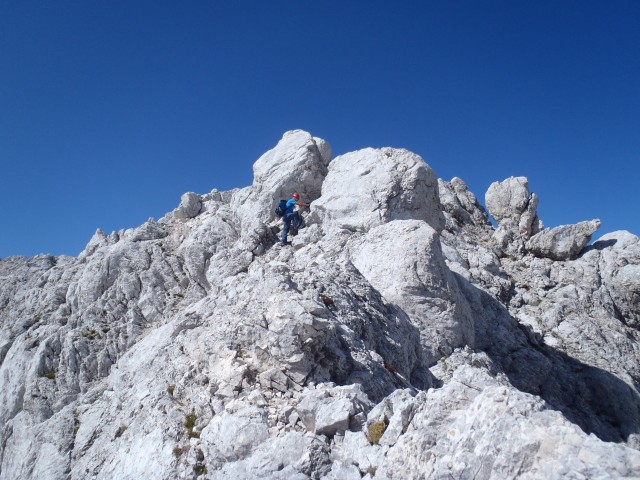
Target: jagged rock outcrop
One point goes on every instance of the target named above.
(399, 336)
(479, 426)
(298, 163)
(460, 206)
(514, 208)
(190, 206)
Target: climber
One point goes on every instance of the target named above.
(290, 215)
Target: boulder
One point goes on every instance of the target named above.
(564, 242)
(330, 410)
(509, 199)
(371, 187)
(478, 426)
(343, 471)
(190, 206)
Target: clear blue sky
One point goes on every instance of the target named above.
(111, 109)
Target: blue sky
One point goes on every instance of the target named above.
(110, 110)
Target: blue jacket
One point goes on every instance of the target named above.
(291, 206)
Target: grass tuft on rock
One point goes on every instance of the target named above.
(189, 423)
(376, 430)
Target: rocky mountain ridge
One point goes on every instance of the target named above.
(400, 335)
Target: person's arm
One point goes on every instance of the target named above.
(302, 204)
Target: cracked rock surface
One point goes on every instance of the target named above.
(400, 335)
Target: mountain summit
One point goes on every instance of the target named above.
(399, 335)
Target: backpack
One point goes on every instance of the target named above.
(281, 208)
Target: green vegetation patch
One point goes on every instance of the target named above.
(189, 423)
(91, 334)
(376, 430)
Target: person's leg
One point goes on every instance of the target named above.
(285, 229)
(298, 219)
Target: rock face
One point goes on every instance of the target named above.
(418, 281)
(298, 163)
(399, 336)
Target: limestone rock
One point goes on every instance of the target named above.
(234, 437)
(370, 187)
(396, 411)
(509, 199)
(621, 274)
(190, 206)
(487, 429)
(330, 410)
(149, 231)
(297, 164)
(563, 242)
(461, 204)
(415, 277)
(511, 205)
(191, 347)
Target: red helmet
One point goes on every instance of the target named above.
(296, 195)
